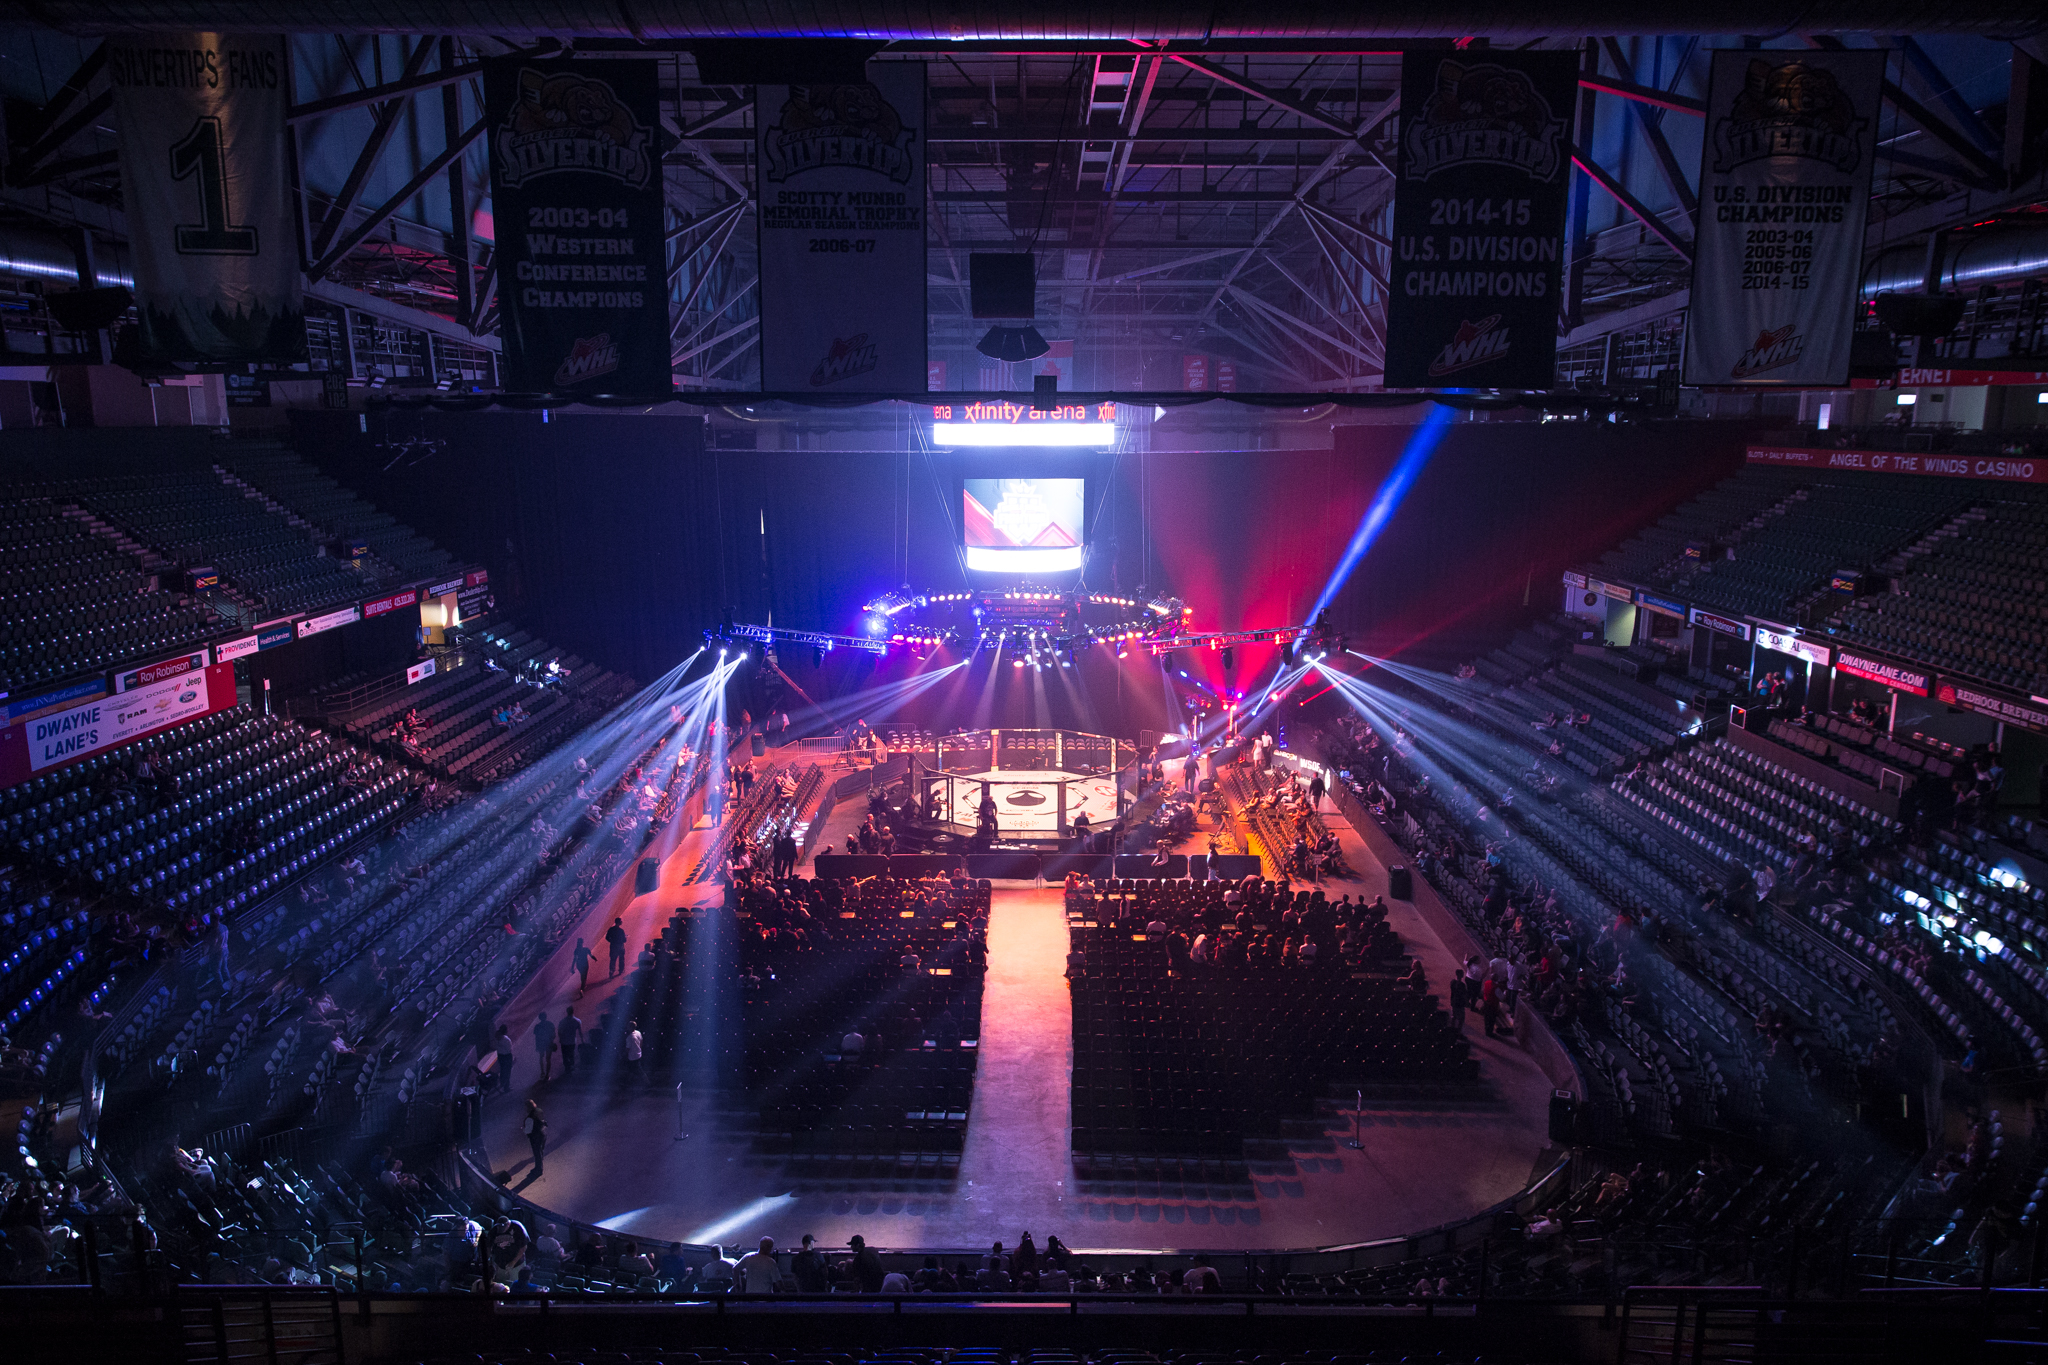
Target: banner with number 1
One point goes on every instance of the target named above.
(202, 124)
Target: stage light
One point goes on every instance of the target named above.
(1099, 435)
(877, 624)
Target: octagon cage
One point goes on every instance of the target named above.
(1038, 780)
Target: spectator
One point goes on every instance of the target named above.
(867, 1266)
(757, 1272)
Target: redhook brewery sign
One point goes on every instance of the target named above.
(1970, 699)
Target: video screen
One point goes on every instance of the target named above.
(1023, 525)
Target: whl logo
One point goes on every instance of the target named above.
(1772, 349)
(1475, 344)
(848, 357)
(587, 359)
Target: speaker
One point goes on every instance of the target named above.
(1918, 315)
(88, 310)
(760, 746)
(1564, 1118)
(1400, 884)
(647, 876)
(1002, 284)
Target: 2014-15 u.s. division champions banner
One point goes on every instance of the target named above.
(581, 227)
(1784, 186)
(202, 124)
(840, 175)
(1479, 202)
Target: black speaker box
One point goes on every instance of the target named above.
(1400, 884)
(1002, 284)
(1564, 1118)
(647, 876)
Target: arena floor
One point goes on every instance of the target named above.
(1027, 800)
(614, 1158)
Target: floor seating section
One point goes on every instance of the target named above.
(1177, 1064)
(900, 963)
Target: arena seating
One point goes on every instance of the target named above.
(1766, 541)
(401, 553)
(1971, 598)
(76, 596)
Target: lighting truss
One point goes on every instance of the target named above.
(772, 635)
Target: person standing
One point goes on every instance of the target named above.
(809, 1268)
(633, 1051)
(756, 1272)
(615, 939)
(1316, 788)
(505, 1058)
(582, 967)
(535, 1126)
(544, 1044)
(569, 1034)
(1460, 999)
(1189, 768)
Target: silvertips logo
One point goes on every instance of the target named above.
(838, 125)
(848, 357)
(1773, 348)
(1483, 114)
(1476, 343)
(568, 122)
(1789, 110)
(588, 358)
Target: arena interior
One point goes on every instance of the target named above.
(1422, 738)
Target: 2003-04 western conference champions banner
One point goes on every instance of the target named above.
(581, 228)
(1784, 185)
(202, 124)
(840, 175)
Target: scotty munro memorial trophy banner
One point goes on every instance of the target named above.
(1479, 204)
(576, 192)
(1784, 185)
(201, 118)
(840, 175)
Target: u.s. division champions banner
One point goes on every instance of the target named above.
(581, 229)
(1479, 207)
(201, 118)
(840, 175)
(1784, 186)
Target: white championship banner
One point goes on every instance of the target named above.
(202, 124)
(840, 175)
(1784, 188)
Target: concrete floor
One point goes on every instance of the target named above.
(615, 1158)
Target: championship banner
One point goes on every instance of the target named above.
(582, 241)
(840, 174)
(201, 118)
(1784, 188)
(1479, 206)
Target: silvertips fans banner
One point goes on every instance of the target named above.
(840, 174)
(1479, 203)
(1784, 182)
(576, 198)
(201, 118)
